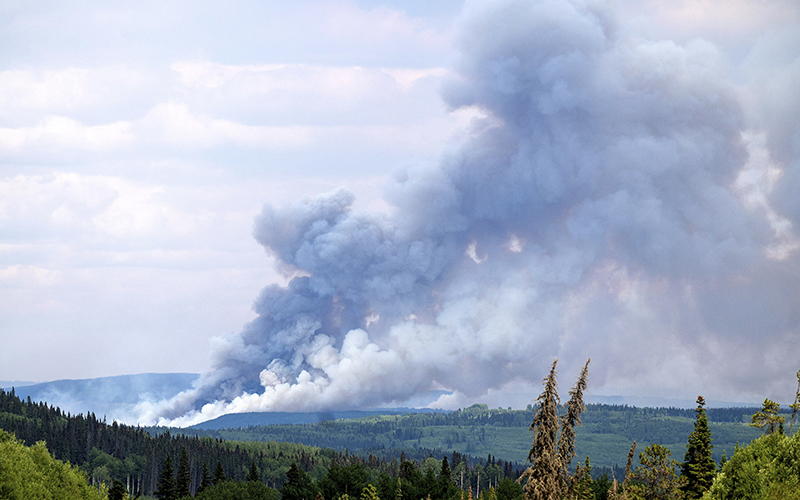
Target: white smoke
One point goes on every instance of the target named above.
(625, 199)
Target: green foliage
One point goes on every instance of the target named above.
(183, 480)
(698, 467)
(166, 481)
(238, 490)
(606, 434)
(508, 490)
(299, 486)
(768, 418)
(253, 474)
(656, 477)
(369, 493)
(600, 487)
(348, 480)
(767, 468)
(205, 479)
(117, 491)
(31, 473)
(219, 473)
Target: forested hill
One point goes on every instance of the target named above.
(113, 451)
(135, 456)
(606, 434)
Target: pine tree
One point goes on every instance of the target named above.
(699, 467)
(166, 481)
(183, 481)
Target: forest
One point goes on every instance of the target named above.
(476, 452)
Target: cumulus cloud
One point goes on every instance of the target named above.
(618, 200)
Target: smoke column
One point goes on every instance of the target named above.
(624, 198)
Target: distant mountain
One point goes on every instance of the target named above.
(113, 397)
(243, 420)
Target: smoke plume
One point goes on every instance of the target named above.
(623, 198)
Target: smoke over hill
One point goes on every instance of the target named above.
(624, 197)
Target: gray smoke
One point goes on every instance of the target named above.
(621, 200)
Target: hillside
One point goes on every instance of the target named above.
(114, 397)
(606, 434)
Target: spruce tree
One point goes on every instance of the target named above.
(219, 473)
(205, 479)
(183, 481)
(548, 476)
(544, 482)
(655, 477)
(166, 481)
(253, 474)
(575, 406)
(117, 491)
(699, 467)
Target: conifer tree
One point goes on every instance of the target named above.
(205, 479)
(796, 405)
(544, 481)
(183, 481)
(768, 417)
(117, 491)
(583, 482)
(370, 493)
(548, 476)
(575, 406)
(655, 477)
(699, 467)
(166, 481)
(219, 473)
(253, 474)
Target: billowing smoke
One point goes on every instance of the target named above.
(622, 198)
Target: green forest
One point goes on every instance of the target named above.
(549, 451)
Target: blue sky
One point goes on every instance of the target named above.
(647, 194)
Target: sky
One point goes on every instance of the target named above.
(330, 204)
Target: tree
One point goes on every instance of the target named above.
(549, 456)
(699, 467)
(298, 486)
(369, 493)
(768, 417)
(508, 490)
(767, 468)
(205, 479)
(253, 474)
(582, 489)
(238, 490)
(166, 481)
(796, 405)
(219, 473)
(117, 491)
(614, 492)
(655, 477)
(32, 473)
(183, 481)
(575, 406)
